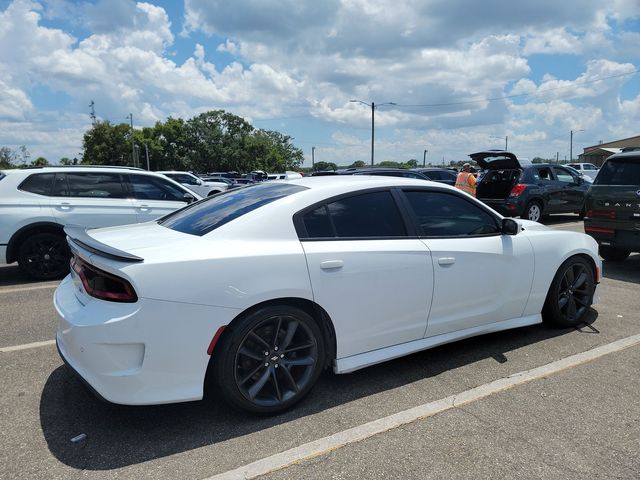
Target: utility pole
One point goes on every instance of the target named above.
(571, 148)
(146, 149)
(133, 148)
(313, 158)
(571, 145)
(424, 158)
(557, 157)
(506, 143)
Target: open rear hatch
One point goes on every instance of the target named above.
(502, 173)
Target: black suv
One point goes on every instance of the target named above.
(613, 206)
(520, 188)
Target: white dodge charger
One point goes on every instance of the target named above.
(249, 295)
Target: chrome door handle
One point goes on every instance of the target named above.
(446, 261)
(65, 206)
(331, 264)
(144, 208)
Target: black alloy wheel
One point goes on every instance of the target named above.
(571, 293)
(612, 254)
(44, 256)
(270, 360)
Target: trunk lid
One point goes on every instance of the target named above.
(497, 160)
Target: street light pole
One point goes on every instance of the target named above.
(133, 159)
(424, 158)
(313, 158)
(373, 110)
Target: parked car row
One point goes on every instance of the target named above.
(36, 204)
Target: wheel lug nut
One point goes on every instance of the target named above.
(276, 349)
(282, 356)
(266, 364)
(266, 354)
(276, 365)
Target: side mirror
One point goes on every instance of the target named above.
(510, 226)
(187, 197)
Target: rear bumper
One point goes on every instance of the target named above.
(510, 207)
(142, 353)
(611, 237)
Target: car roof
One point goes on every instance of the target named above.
(346, 182)
(72, 168)
(627, 155)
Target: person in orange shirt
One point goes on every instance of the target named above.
(466, 181)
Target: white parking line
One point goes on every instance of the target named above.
(26, 289)
(356, 434)
(27, 346)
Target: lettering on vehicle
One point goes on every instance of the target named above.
(617, 204)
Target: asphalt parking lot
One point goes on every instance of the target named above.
(463, 410)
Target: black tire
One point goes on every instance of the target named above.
(44, 256)
(612, 254)
(269, 360)
(581, 214)
(533, 211)
(570, 295)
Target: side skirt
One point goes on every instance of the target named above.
(362, 360)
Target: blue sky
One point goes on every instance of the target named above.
(463, 74)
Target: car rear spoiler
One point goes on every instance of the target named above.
(77, 235)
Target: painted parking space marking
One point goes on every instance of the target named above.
(26, 289)
(341, 439)
(26, 346)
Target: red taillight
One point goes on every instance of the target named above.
(517, 190)
(608, 231)
(103, 285)
(609, 214)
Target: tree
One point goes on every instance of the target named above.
(7, 158)
(40, 162)
(68, 161)
(358, 164)
(106, 144)
(322, 166)
(413, 163)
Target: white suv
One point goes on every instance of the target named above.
(36, 203)
(198, 185)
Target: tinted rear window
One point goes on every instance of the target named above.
(619, 171)
(39, 183)
(202, 217)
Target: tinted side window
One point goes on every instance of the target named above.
(89, 185)
(39, 183)
(146, 187)
(448, 215)
(367, 215)
(619, 172)
(318, 224)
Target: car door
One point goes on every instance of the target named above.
(153, 196)
(573, 189)
(91, 199)
(374, 281)
(550, 189)
(480, 276)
